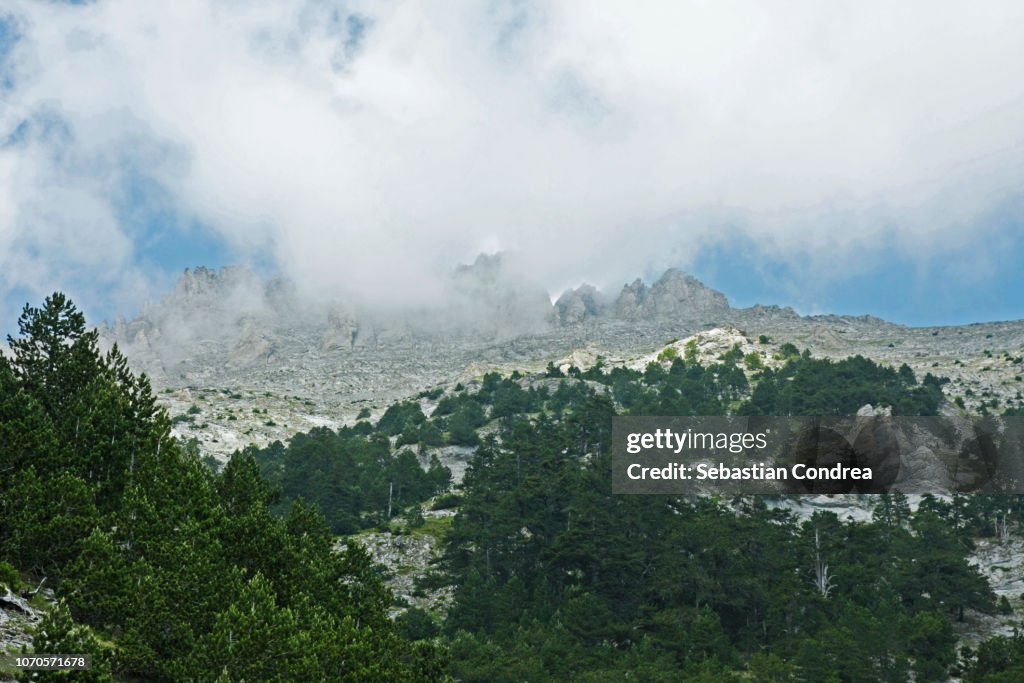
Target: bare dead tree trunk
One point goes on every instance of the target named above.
(822, 579)
(1002, 527)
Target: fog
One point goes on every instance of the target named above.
(365, 149)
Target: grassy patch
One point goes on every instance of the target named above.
(435, 527)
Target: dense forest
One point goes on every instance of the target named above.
(351, 475)
(166, 570)
(558, 578)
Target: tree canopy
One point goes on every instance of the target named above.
(180, 574)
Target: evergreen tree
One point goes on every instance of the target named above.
(58, 634)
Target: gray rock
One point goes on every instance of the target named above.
(868, 410)
(922, 471)
(675, 295)
(577, 305)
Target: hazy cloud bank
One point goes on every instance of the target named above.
(363, 148)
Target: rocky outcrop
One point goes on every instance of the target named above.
(18, 616)
(923, 471)
(577, 305)
(408, 556)
(251, 348)
(768, 314)
(631, 298)
(341, 332)
(674, 295)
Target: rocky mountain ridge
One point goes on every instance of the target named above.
(487, 302)
(674, 295)
(259, 362)
(219, 324)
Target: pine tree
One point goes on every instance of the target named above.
(253, 640)
(58, 634)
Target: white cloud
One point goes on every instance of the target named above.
(598, 140)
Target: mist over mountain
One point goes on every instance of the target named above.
(674, 295)
(369, 147)
(232, 330)
(485, 301)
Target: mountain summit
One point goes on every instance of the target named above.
(219, 323)
(675, 295)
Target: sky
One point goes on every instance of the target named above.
(840, 157)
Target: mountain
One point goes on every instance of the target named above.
(484, 299)
(220, 321)
(675, 296)
(227, 340)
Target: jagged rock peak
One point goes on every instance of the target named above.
(205, 281)
(234, 289)
(674, 295)
(485, 267)
(576, 305)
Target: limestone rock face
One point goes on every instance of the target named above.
(878, 445)
(584, 359)
(631, 298)
(923, 471)
(341, 331)
(677, 294)
(674, 295)
(18, 617)
(251, 348)
(868, 410)
(577, 305)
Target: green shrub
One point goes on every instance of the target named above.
(691, 351)
(431, 394)
(446, 501)
(788, 350)
(9, 576)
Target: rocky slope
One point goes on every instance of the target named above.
(237, 359)
(20, 612)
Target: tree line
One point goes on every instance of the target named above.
(164, 570)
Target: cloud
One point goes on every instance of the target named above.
(366, 147)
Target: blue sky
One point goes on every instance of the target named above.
(893, 287)
(838, 157)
